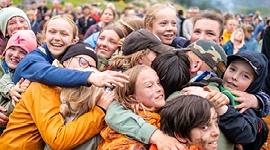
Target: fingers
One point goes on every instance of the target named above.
(206, 88)
(3, 117)
(13, 103)
(211, 95)
(3, 109)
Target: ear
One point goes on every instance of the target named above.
(220, 39)
(195, 66)
(74, 41)
(140, 60)
(182, 140)
(148, 27)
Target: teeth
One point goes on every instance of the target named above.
(56, 44)
(213, 143)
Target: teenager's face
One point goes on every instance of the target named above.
(59, 36)
(231, 26)
(149, 58)
(164, 26)
(107, 43)
(206, 29)
(238, 76)
(107, 16)
(238, 36)
(79, 61)
(148, 89)
(16, 23)
(206, 137)
(13, 56)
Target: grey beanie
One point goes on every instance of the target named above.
(8, 13)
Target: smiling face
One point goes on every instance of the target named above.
(164, 25)
(58, 36)
(206, 29)
(13, 56)
(107, 43)
(206, 137)
(148, 89)
(16, 23)
(238, 75)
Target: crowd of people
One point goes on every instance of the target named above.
(153, 78)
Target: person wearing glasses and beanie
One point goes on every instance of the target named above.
(250, 41)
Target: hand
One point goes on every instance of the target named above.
(215, 96)
(120, 43)
(25, 84)
(195, 90)
(105, 99)
(163, 141)
(15, 92)
(106, 78)
(246, 101)
(3, 118)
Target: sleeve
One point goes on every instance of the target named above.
(240, 128)
(38, 69)
(128, 123)
(5, 84)
(45, 114)
(264, 101)
(92, 39)
(255, 46)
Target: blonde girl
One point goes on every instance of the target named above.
(236, 43)
(160, 19)
(59, 33)
(143, 95)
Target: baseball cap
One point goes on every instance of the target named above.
(142, 39)
(211, 53)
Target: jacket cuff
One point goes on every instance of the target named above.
(145, 136)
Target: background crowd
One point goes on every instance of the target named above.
(147, 78)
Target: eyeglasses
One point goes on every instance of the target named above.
(84, 63)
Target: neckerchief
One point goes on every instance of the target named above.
(7, 70)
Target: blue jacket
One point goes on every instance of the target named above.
(92, 39)
(251, 44)
(36, 67)
(228, 48)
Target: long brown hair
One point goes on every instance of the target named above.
(123, 94)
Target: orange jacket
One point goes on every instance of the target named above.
(112, 140)
(192, 147)
(36, 118)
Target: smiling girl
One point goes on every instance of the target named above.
(143, 95)
(12, 19)
(107, 44)
(60, 32)
(20, 43)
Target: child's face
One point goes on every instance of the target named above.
(231, 26)
(107, 43)
(164, 26)
(59, 36)
(13, 56)
(148, 89)
(107, 16)
(238, 76)
(206, 29)
(206, 137)
(16, 23)
(80, 61)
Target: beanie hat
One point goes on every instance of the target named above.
(80, 48)
(8, 13)
(142, 39)
(211, 53)
(24, 39)
(258, 62)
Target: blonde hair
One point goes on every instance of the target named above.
(30, 13)
(243, 37)
(129, 61)
(64, 17)
(131, 23)
(78, 100)
(123, 94)
(150, 15)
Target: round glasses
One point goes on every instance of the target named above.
(84, 63)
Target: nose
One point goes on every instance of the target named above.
(159, 88)
(202, 36)
(234, 77)
(16, 54)
(215, 131)
(169, 27)
(57, 36)
(20, 25)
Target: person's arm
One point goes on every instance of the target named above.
(37, 69)
(135, 127)
(5, 85)
(240, 128)
(44, 108)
